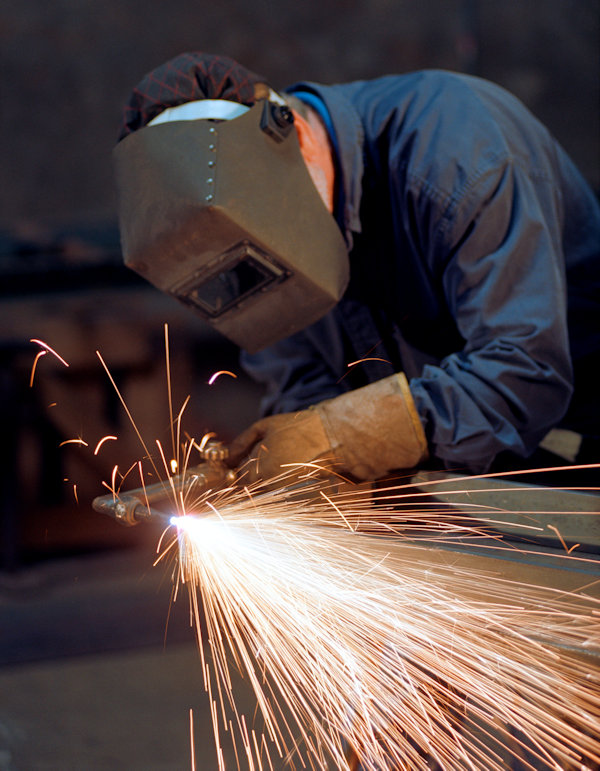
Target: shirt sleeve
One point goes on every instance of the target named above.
(301, 370)
(498, 250)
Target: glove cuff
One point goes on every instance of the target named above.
(375, 429)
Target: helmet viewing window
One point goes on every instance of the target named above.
(243, 273)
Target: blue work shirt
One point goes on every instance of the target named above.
(474, 248)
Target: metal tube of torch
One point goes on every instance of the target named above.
(135, 506)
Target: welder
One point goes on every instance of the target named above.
(410, 264)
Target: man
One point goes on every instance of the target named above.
(470, 323)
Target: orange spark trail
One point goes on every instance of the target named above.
(113, 478)
(562, 540)
(219, 373)
(169, 392)
(73, 441)
(101, 442)
(205, 438)
(126, 408)
(367, 358)
(35, 361)
(49, 350)
(192, 750)
(113, 483)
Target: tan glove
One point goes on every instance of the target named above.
(366, 433)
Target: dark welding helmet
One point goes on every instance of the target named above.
(220, 212)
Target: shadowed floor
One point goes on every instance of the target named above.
(88, 680)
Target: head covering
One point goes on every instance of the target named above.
(186, 78)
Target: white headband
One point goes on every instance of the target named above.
(207, 109)
(203, 109)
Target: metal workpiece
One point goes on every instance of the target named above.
(554, 516)
(160, 499)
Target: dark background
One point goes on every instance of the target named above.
(67, 68)
(68, 65)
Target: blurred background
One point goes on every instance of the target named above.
(72, 581)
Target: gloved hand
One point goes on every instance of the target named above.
(365, 433)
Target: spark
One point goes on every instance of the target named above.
(74, 441)
(177, 442)
(101, 442)
(363, 360)
(127, 411)
(113, 483)
(48, 349)
(192, 750)
(213, 377)
(75, 494)
(367, 358)
(169, 390)
(398, 647)
(35, 361)
(337, 508)
(143, 483)
(205, 439)
(562, 540)
(173, 466)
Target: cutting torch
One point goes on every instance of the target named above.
(513, 507)
(145, 502)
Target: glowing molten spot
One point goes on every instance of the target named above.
(205, 535)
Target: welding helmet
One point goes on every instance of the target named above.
(217, 208)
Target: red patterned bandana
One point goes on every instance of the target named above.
(187, 78)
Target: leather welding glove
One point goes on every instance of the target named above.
(365, 433)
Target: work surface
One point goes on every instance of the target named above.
(88, 678)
